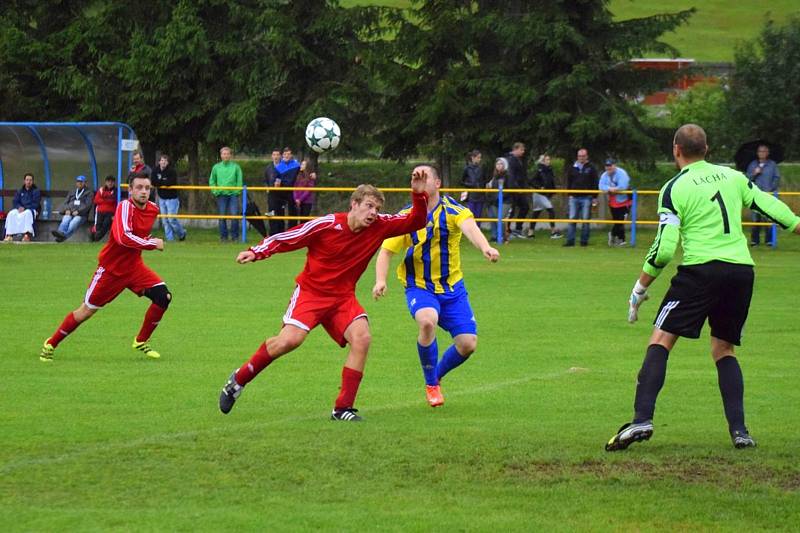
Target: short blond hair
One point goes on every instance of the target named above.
(364, 190)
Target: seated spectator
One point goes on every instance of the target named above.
(304, 200)
(75, 210)
(105, 203)
(19, 220)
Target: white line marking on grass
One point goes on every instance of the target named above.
(254, 424)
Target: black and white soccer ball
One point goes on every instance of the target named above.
(323, 134)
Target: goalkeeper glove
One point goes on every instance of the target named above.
(638, 296)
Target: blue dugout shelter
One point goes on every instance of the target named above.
(56, 152)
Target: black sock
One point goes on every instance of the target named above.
(649, 382)
(731, 386)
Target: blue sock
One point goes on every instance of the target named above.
(449, 361)
(428, 355)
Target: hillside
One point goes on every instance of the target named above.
(711, 34)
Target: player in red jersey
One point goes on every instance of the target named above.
(340, 246)
(120, 267)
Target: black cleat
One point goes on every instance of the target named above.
(230, 391)
(630, 433)
(347, 415)
(742, 439)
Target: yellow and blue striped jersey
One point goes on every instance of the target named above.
(432, 258)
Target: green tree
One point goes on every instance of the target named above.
(706, 104)
(486, 73)
(765, 87)
(193, 75)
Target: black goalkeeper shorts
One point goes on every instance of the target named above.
(718, 291)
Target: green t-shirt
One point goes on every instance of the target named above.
(226, 174)
(702, 207)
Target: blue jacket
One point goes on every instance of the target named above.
(28, 199)
(619, 180)
(287, 172)
(768, 179)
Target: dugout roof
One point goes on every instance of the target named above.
(56, 152)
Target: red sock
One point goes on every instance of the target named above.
(67, 326)
(258, 362)
(351, 379)
(151, 319)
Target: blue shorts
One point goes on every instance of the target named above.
(455, 314)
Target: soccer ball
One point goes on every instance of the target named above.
(323, 134)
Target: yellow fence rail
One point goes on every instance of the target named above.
(633, 222)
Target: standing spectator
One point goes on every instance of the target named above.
(544, 179)
(581, 175)
(274, 205)
(518, 179)
(105, 204)
(138, 166)
(472, 178)
(27, 204)
(168, 201)
(304, 200)
(226, 173)
(75, 209)
(763, 172)
(285, 176)
(499, 177)
(615, 179)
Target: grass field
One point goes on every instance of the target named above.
(710, 35)
(102, 439)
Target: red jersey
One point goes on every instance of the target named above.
(336, 255)
(105, 200)
(130, 234)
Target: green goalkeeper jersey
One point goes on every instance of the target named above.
(702, 207)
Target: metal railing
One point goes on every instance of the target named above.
(633, 221)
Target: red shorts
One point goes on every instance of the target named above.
(335, 313)
(106, 286)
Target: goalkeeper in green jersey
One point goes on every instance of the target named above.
(702, 208)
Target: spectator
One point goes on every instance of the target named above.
(304, 200)
(168, 201)
(763, 172)
(227, 173)
(518, 179)
(472, 178)
(75, 209)
(105, 204)
(544, 179)
(285, 176)
(274, 205)
(27, 204)
(581, 175)
(499, 177)
(138, 165)
(616, 179)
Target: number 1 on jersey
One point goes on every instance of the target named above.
(725, 224)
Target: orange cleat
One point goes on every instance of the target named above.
(434, 394)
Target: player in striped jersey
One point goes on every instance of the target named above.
(434, 285)
(120, 267)
(340, 246)
(702, 207)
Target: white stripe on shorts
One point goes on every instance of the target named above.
(662, 316)
(95, 279)
(287, 316)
